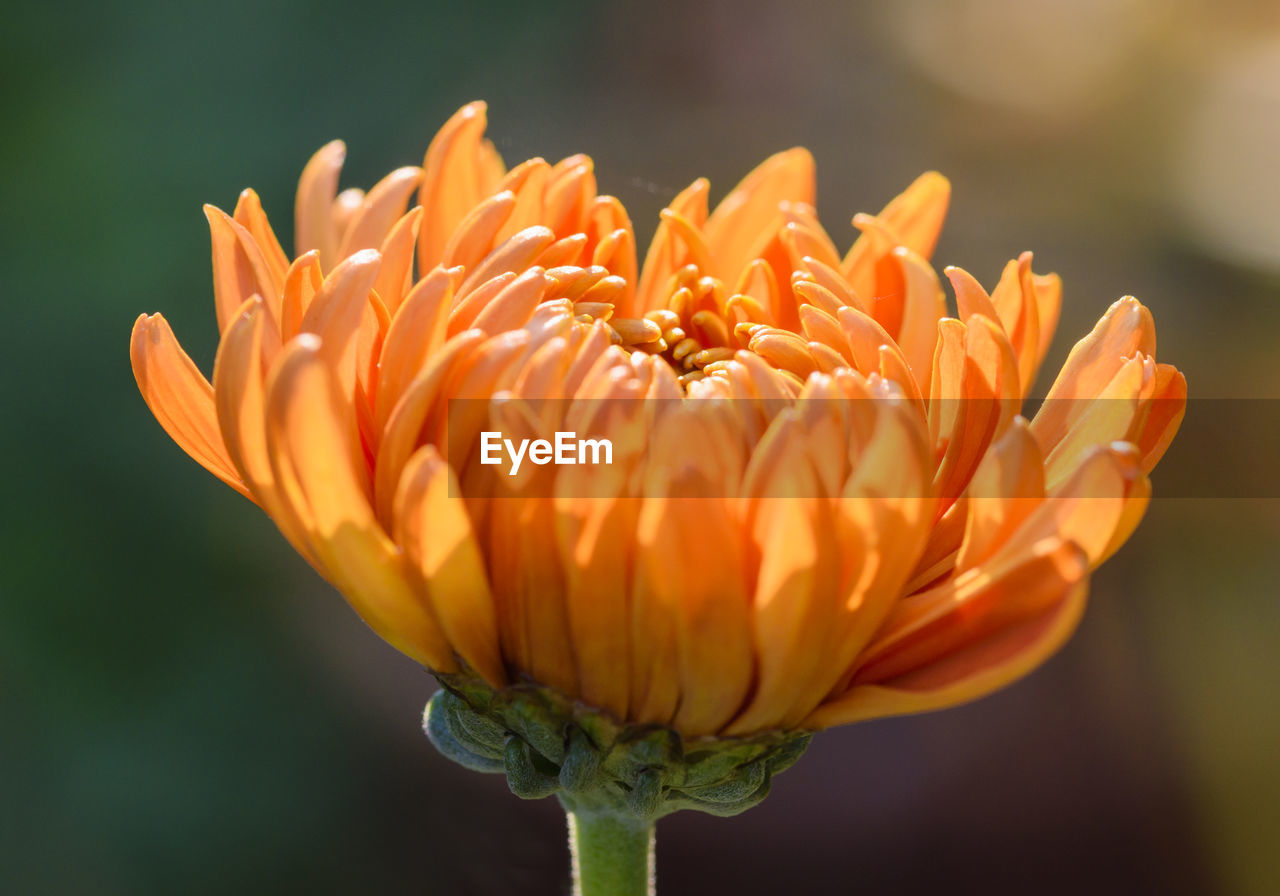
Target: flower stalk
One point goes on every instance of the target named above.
(612, 854)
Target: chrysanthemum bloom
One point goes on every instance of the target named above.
(824, 505)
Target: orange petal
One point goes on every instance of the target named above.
(804, 238)
(914, 218)
(239, 268)
(748, 217)
(417, 331)
(312, 214)
(878, 276)
(923, 306)
(379, 210)
(180, 397)
(249, 215)
(1168, 405)
(1124, 331)
(570, 195)
(514, 255)
(667, 254)
(690, 576)
(1048, 289)
(971, 298)
(510, 309)
(1116, 413)
(796, 586)
(916, 214)
(432, 526)
(310, 444)
(1017, 308)
(528, 183)
(595, 538)
(395, 276)
(458, 172)
(400, 436)
(476, 234)
(1088, 508)
(614, 242)
(337, 309)
(240, 399)
(980, 636)
(1007, 486)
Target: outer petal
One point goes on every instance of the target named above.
(379, 211)
(249, 215)
(916, 215)
(1167, 407)
(1007, 486)
(596, 538)
(395, 276)
(915, 218)
(923, 306)
(797, 585)
(1124, 331)
(239, 268)
(240, 397)
(180, 397)
(458, 172)
(313, 209)
(432, 526)
(310, 441)
(747, 219)
(968, 638)
(691, 609)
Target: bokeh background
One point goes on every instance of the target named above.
(186, 708)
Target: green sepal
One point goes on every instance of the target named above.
(546, 744)
(525, 777)
(443, 728)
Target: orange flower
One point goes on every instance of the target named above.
(867, 528)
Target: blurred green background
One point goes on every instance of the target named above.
(186, 708)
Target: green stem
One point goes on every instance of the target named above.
(612, 855)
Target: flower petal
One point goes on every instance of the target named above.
(180, 397)
(314, 227)
(239, 268)
(249, 215)
(459, 171)
(310, 443)
(914, 217)
(690, 605)
(746, 220)
(981, 635)
(667, 253)
(1124, 331)
(435, 532)
(379, 210)
(240, 400)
